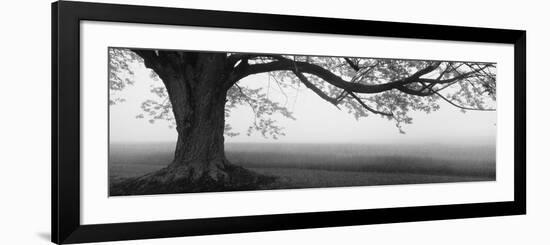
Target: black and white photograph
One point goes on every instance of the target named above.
(275, 122)
(188, 121)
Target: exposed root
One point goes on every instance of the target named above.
(216, 176)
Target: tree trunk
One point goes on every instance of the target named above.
(198, 102)
(194, 83)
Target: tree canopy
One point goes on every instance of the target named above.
(390, 88)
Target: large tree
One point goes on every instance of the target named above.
(201, 88)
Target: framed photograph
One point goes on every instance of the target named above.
(176, 122)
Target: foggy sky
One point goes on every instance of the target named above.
(316, 120)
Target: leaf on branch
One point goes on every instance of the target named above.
(120, 72)
(263, 109)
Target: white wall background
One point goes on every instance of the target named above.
(25, 122)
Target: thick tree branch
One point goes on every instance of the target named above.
(328, 76)
(407, 90)
(232, 61)
(316, 90)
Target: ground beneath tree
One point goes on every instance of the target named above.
(279, 166)
(292, 178)
(171, 181)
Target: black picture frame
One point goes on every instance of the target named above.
(65, 171)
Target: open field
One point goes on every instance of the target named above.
(328, 165)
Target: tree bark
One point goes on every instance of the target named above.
(194, 82)
(198, 102)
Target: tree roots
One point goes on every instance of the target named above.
(188, 178)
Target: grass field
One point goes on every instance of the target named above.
(328, 165)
